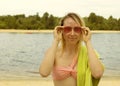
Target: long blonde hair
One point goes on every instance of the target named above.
(78, 20)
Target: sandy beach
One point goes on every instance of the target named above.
(105, 81)
(47, 31)
(26, 82)
(24, 31)
(110, 81)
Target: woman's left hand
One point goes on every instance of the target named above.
(86, 34)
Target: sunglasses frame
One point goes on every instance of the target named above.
(67, 29)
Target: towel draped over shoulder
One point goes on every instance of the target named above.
(84, 77)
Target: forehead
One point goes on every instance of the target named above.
(70, 22)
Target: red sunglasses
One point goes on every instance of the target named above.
(68, 29)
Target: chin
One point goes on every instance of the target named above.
(73, 42)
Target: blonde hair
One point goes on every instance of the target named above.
(78, 20)
(75, 17)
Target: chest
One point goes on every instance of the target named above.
(65, 60)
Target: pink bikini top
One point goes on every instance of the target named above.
(60, 73)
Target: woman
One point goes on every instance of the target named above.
(62, 58)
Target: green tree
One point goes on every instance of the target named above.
(44, 20)
(112, 22)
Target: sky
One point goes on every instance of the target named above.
(59, 8)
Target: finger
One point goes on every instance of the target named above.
(59, 29)
(86, 30)
(83, 30)
(60, 36)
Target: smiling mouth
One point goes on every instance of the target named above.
(72, 38)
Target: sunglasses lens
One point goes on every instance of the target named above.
(67, 29)
(77, 29)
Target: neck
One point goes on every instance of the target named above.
(70, 48)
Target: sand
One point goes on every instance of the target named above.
(26, 83)
(105, 81)
(48, 31)
(110, 81)
(24, 31)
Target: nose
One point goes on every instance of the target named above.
(73, 32)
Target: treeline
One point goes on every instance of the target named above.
(48, 21)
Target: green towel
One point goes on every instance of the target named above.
(84, 77)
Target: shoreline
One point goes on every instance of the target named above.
(48, 31)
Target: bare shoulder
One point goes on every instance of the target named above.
(57, 52)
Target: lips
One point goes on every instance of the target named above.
(72, 38)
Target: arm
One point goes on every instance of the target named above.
(49, 58)
(94, 63)
(48, 61)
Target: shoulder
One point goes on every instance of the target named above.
(50, 48)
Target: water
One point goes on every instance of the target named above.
(21, 54)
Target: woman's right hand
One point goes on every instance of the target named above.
(58, 33)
